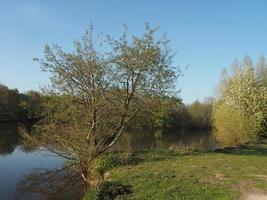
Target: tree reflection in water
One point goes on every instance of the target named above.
(48, 184)
(195, 139)
(42, 184)
(8, 139)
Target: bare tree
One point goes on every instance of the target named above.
(96, 93)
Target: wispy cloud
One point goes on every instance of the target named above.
(40, 14)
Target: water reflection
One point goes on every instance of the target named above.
(42, 184)
(8, 138)
(17, 163)
(202, 140)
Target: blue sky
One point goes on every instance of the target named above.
(207, 35)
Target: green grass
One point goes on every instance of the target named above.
(215, 175)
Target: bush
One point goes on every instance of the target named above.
(232, 128)
(183, 151)
(91, 195)
(110, 160)
(105, 163)
(108, 191)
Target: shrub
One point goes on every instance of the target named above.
(108, 191)
(183, 151)
(232, 127)
(105, 163)
(90, 195)
(113, 159)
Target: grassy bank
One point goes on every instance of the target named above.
(228, 174)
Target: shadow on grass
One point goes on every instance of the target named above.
(115, 159)
(257, 150)
(108, 190)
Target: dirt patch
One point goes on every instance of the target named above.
(263, 177)
(254, 195)
(220, 176)
(244, 187)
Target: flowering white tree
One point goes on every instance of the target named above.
(244, 94)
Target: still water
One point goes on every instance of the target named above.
(17, 161)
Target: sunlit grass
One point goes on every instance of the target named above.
(213, 175)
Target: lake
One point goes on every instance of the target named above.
(17, 161)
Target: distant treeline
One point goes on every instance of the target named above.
(19, 107)
(162, 113)
(170, 114)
